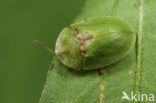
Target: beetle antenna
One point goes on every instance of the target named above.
(44, 46)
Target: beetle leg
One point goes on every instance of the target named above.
(69, 68)
(100, 71)
(53, 63)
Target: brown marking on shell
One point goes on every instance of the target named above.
(83, 54)
(89, 37)
(83, 41)
(77, 31)
(82, 48)
(79, 37)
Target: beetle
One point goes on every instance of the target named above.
(94, 43)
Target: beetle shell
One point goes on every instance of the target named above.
(95, 43)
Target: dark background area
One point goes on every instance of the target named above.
(24, 64)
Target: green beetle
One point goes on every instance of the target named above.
(94, 43)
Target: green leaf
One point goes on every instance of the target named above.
(136, 72)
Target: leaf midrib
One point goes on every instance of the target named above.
(139, 47)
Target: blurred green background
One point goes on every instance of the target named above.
(24, 64)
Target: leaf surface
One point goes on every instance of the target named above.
(136, 72)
